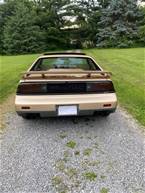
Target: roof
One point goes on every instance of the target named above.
(64, 53)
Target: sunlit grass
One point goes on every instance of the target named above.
(11, 68)
(128, 68)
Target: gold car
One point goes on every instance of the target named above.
(65, 84)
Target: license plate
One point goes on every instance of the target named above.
(67, 110)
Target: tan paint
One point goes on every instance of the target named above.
(48, 103)
(61, 80)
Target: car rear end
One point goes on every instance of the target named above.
(65, 93)
(76, 98)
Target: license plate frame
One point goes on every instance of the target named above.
(67, 110)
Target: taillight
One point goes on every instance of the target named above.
(100, 87)
(31, 88)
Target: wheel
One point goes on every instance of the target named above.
(105, 113)
(28, 116)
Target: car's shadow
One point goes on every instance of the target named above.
(69, 122)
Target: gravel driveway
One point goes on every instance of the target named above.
(74, 154)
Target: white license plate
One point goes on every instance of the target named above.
(67, 110)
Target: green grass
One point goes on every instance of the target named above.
(90, 176)
(87, 152)
(71, 144)
(71, 172)
(128, 68)
(104, 190)
(10, 72)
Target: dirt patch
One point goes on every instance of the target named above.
(5, 107)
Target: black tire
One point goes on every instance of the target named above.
(28, 116)
(105, 113)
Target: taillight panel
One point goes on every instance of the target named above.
(32, 88)
(100, 87)
(28, 88)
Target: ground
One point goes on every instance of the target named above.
(94, 154)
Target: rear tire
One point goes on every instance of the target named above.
(105, 113)
(28, 116)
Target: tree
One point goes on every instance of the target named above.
(86, 14)
(40, 25)
(119, 24)
(142, 27)
(51, 18)
(7, 9)
(21, 35)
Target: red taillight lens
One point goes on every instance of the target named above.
(107, 105)
(100, 87)
(31, 88)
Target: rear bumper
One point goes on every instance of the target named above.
(47, 104)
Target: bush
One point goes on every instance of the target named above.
(142, 34)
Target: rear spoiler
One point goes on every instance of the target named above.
(64, 74)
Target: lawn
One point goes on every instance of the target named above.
(127, 66)
(10, 72)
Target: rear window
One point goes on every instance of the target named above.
(45, 64)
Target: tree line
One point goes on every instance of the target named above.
(31, 26)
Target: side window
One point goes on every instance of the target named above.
(93, 66)
(37, 65)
